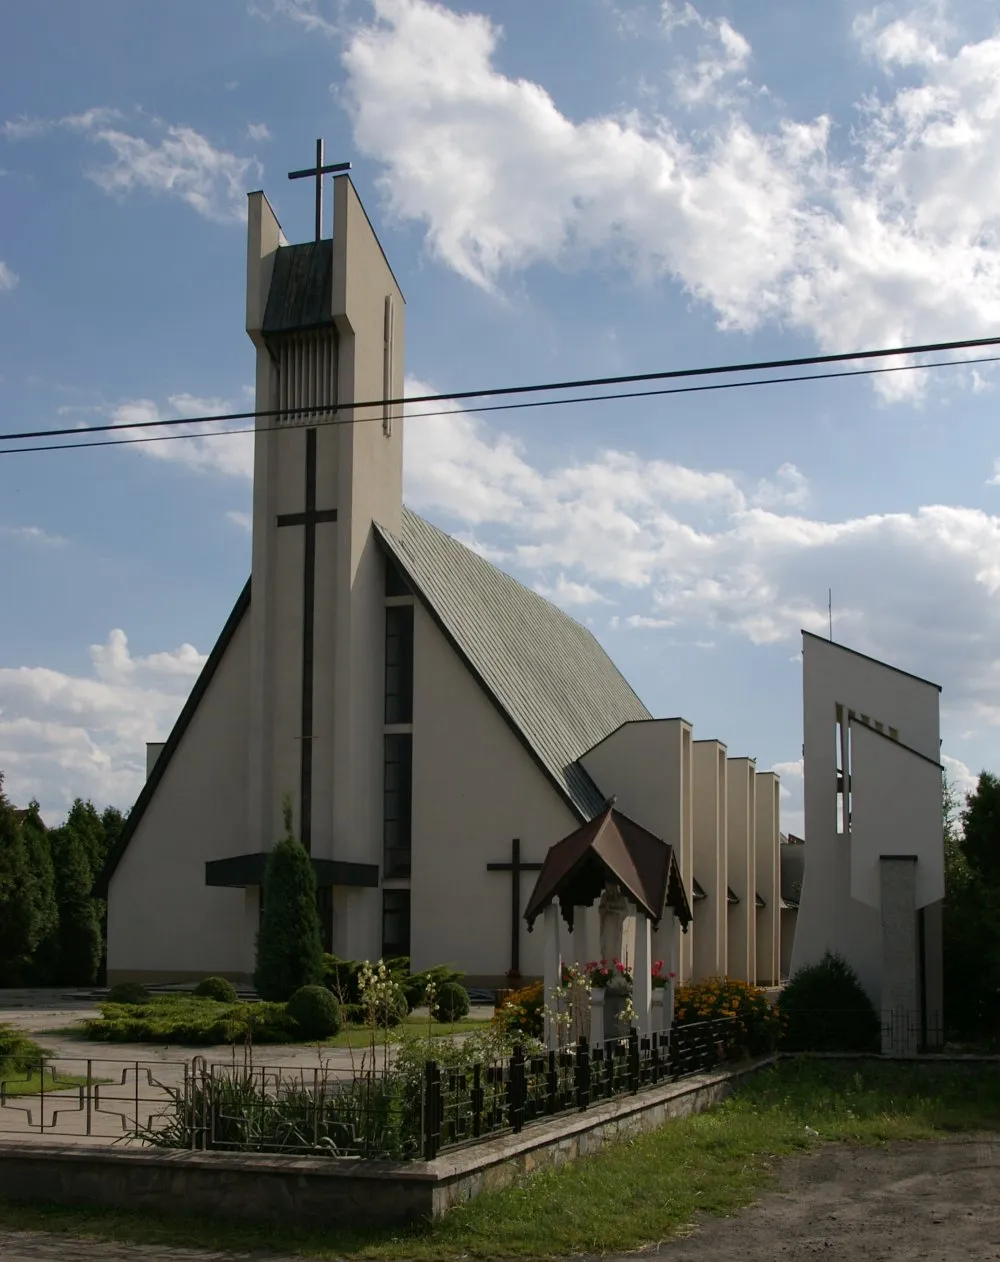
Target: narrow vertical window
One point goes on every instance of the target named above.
(395, 923)
(843, 756)
(387, 357)
(399, 664)
(397, 804)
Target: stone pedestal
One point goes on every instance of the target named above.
(615, 999)
(597, 1035)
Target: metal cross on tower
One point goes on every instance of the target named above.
(317, 172)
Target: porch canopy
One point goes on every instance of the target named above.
(610, 849)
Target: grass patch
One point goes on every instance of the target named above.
(31, 1084)
(189, 1021)
(633, 1193)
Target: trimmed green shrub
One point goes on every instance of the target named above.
(18, 1053)
(128, 993)
(824, 1008)
(341, 977)
(415, 985)
(315, 1012)
(289, 948)
(389, 1012)
(452, 1002)
(217, 988)
(192, 1022)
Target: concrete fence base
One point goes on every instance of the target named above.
(339, 1191)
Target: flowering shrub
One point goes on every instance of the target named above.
(522, 1012)
(600, 972)
(661, 979)
(757, 1019)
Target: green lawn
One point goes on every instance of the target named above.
(357, 1036)
(360, 1036)
(18, 1084)
(633, 1193)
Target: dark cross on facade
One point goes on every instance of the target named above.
(317, 172)
(515, 868)
(309, 519)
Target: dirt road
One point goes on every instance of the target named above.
(937, 1202)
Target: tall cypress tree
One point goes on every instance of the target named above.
(289, 946)
(20, 924)
(85, 822)
(79, 930)
(45, 964)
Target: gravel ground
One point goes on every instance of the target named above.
(936, 1202)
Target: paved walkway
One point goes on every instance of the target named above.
(133, 1081)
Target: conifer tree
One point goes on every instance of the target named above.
(45, 963)
(289, 946)
(19, 916)
(79, 930)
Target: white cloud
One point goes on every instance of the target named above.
(63, 736)
(961, 778)
(790, 792)
(789, 488)
(243, 520)
(219, 448)
(568, 594)
(642, 622)
(178, 162)
(723, 53)
(8, 277)
(918, 589)
(258, 131)
(891, 238)
(32, 534)
(311, 15)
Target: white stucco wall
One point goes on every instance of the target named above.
(741, 946)
(475, 787)
(896, 810)
(767, 880)
(163, 921)
(648, 766)
(710, 859)
(829, 917)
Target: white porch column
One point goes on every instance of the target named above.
(642, 981)
(553, 970)
(666, 944)
(580, 938)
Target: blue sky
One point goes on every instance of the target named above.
(563, 189)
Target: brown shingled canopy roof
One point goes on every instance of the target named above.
(610, 848)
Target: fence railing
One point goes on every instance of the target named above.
(99, 1099)
(461, 1106)
(335, 1110)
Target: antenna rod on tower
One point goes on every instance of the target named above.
(829, 605)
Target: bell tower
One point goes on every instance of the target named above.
(327, 320)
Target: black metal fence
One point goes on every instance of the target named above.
(463, 1105)
(100, 1099)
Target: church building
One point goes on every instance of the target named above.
(437, 725)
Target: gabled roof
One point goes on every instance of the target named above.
(610, 848)
(173, 740)
(547, 674)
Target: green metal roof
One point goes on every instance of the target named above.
(546, 673)
(301, 293)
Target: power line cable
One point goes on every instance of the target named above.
(580, 384)
(507, 407)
